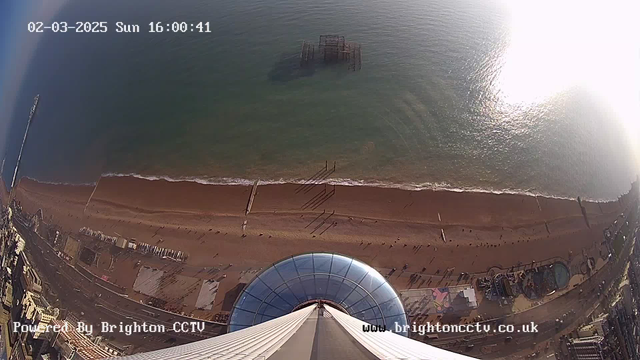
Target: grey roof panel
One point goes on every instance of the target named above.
(321, 337)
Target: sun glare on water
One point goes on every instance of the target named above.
(555, 45)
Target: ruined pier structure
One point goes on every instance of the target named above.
(333, 49)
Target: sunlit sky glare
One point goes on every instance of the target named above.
(555, 45)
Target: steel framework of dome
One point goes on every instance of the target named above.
(346, 283)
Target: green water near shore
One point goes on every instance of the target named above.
(232, 104)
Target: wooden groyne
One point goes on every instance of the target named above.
(252, 197)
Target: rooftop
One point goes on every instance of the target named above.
(83, 345)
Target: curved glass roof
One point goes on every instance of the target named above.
(358, 288)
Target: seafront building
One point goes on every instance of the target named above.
(22, 297)
(599, 326)
(24, 303)
(615, 333)
(612, 336)
(73, 344)
(588, 348)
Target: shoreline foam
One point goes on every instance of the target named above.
(343, 182)
(444, 208)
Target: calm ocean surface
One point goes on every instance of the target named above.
(232, 103)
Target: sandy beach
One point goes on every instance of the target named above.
(362, 214)
(386, 228)
(444, 208)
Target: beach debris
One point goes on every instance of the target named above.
(140, 247)
(99, 235)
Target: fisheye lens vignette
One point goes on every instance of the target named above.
(288, 180)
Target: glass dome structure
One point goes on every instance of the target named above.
(348, 284)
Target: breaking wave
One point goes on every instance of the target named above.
(342, 182)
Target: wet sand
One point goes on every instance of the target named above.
(455, 208)
(386, 228)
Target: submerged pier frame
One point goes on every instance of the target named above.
(307, 55)
(334, 49)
